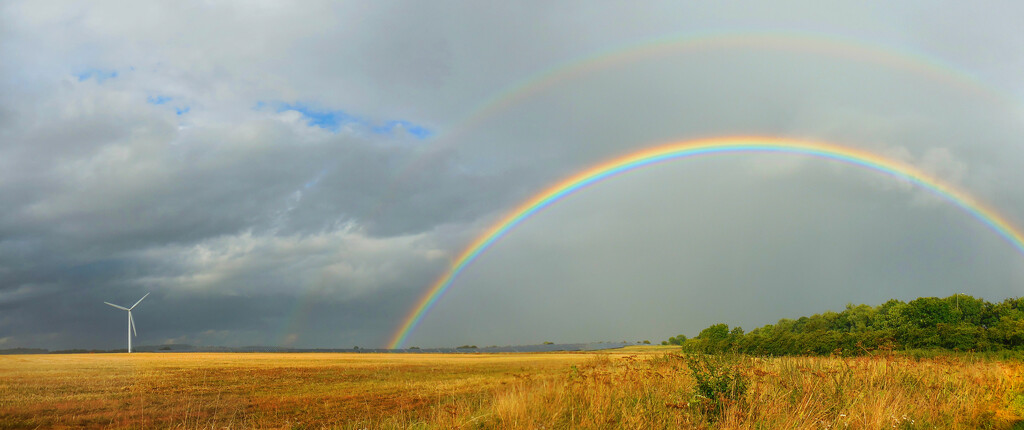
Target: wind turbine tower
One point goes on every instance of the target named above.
(131, 322)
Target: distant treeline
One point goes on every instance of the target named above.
(11, 351)
(958, 322)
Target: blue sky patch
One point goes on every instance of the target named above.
(158, 100)
(331, 120)
(98, 74)
(417, 131)
(334, 120)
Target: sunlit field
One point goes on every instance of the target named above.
(637, 387)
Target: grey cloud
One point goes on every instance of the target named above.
(691, 243)
(250, 226)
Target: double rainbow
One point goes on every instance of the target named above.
(680, 150)
(921, 65)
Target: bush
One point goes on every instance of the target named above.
(718, 381)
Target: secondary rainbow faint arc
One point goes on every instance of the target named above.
(919, 63)
(992, 219)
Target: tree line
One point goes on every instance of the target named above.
(959, 322)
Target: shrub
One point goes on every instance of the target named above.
(717, 381)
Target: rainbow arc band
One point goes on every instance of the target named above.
(680, 150)
(921, 65)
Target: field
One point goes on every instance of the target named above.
(638, 387)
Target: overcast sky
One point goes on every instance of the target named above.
(298, 174)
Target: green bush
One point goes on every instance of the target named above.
(718, 381)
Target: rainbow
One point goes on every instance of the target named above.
(918, 64)
(680, 150)
(823, 45)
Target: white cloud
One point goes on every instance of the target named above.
(343, 262)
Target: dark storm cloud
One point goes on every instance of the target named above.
(261, 167)
(117, 198)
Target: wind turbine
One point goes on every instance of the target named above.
(131, 322)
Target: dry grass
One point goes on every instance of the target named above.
(250, 390)
(797, 392)
(633, 388)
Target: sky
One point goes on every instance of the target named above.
(300, 173)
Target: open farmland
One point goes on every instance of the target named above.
(649, 387)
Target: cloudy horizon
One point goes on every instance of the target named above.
(286, 175)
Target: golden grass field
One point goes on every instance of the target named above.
(636, 387)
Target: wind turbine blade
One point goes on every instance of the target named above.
(140, 301)
(116, 306)
(132, 321)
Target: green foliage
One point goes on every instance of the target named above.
(959, 322)
(714, 333)
(675, 340)
(718, 381)
(927, 312)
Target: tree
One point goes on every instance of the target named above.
(714, 333)
(957, 322)
(675, 340)
(928, 312)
